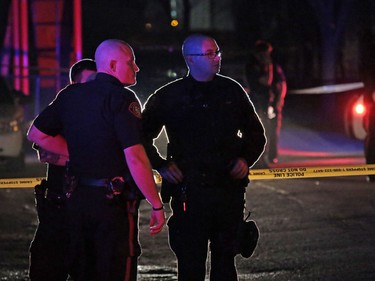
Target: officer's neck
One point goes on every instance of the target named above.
(202, 77)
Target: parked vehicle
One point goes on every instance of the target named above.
(354, 115)
(12, 138)
(347, 111)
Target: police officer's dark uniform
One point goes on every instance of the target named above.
(261, 94)
(47, 250)
(98, 119)
(209, 124)
(277, 105)
(264, 96)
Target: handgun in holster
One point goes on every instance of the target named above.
(40, 195)
(70, 182)
(168, 189)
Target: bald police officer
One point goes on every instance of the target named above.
(101, 122)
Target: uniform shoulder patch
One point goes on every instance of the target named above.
(135, 109)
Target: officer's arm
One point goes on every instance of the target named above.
(140, 169)
(280, 87)
(55, 145)
(46, 156)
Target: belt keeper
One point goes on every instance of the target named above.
(158, 209)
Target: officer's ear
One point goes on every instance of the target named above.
(189, 60)
(112, 65)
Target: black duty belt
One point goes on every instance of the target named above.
(115, 185)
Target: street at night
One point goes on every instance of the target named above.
(311, 229)
(308, 68)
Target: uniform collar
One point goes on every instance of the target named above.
(191, 78)
(101, 76)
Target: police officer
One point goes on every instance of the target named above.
(214, 137)
(101, 122)
(50, 240)
(267, 84)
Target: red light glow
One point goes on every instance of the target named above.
(359, 109)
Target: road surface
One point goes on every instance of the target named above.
(311, 229)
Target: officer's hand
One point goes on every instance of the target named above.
(172, 173)
(239, 169)
(46, 156)
(157, 221)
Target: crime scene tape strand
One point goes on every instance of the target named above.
(312, 172)
(254, 174)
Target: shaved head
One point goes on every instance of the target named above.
(116, 57)
(193, 43)
(202, 56)
(108, 50)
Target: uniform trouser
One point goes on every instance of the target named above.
(47, 250)
(211, 216)
(273, 136)
(103, 236)
(272, 128)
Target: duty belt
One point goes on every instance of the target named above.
(115, 185)
(94, 182)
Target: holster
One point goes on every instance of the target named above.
(40, 196)
(70, 181)
(70, 185)
(118, 187)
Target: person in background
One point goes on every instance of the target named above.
(214, 137)
(82, 71)
(47, 250)
(267, 85)
(101, 124)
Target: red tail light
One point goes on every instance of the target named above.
(359, 109)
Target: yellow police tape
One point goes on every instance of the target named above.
(312, 172)
(255, 174)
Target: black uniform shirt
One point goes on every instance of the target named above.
(208, 124)
(98, 119)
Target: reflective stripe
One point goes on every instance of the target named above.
(131, 208)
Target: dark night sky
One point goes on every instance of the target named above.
(292, 26)
(118, 19)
